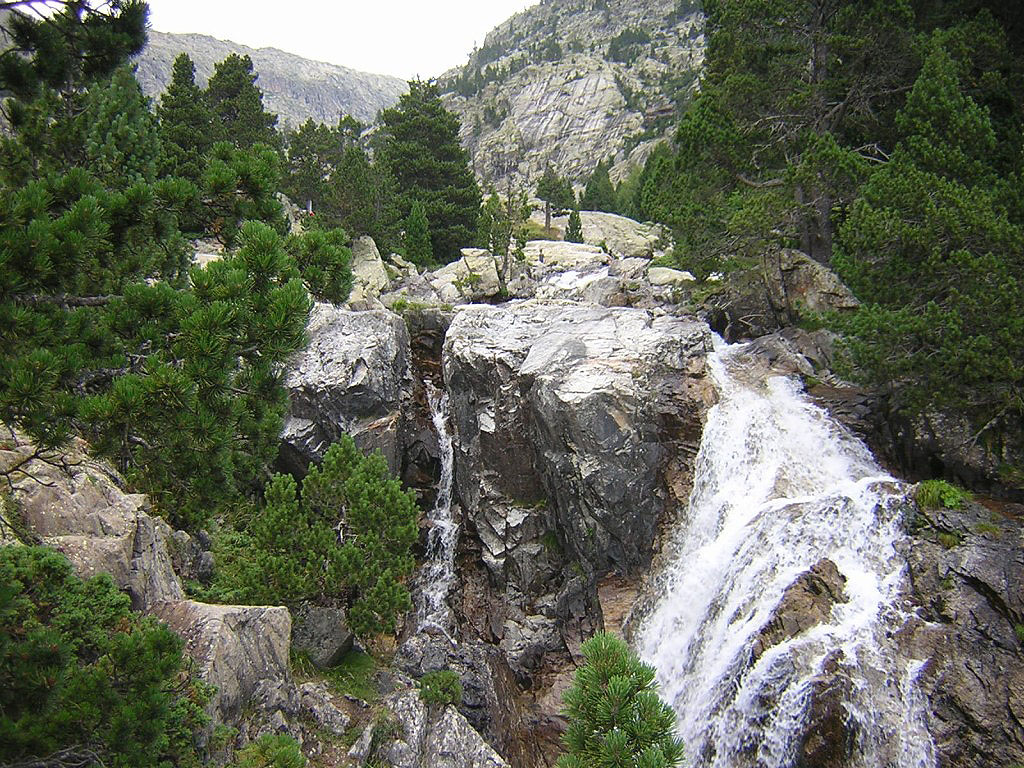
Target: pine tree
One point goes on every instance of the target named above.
(314, 151)
(83, 676)
(349, 535)
(361, 197)
(186, 123)
(324, 259)
(615, 715)
(599, 194)
(550, 190)
(574, 231)
(237, 104)
(417, 237)
(933, 248)
(418, 144)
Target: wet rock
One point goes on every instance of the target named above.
(576, 426)
(322, 633)
(966, 572)
(807, 602)
(830, 737)
(352, 379)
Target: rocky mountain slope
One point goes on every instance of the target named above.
(570, 82)
(295, 88)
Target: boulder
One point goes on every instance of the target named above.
(369, 275)
(351, 379)
(416, 735)
(241, 649)
(78, 506)
(620, 236)
(576, 427)
(322, 633)
(761, 300)
(473, 277)
(674, 278)
(966, 574)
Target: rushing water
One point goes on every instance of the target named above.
(778, 487)
(438, 573)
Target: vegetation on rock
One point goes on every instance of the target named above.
(615, 715)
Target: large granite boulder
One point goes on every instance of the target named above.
(966, 570)
(78, 506)
(369, 275)
(352, 379)
(414, 734)
(576, 427)
(241, 649)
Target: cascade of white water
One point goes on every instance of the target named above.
(438, 573)
(778, 487)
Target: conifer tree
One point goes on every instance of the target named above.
(314, 151)
(555, 192)
(83, 679)
(362, 197)
(237, 104)
(419, 146)
(574, 231)
(417, 237)
(186, 123)
(599, 194)
(349, 535)
(934, 250)
(615, 715)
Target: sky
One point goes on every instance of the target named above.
(404, 38)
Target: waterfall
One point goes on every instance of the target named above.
(438, 573)
(778, 487)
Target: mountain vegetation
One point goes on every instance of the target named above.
(884, 140)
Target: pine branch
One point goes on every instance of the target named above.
(64, 300)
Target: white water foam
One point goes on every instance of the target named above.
(438, 573)
(778, 487)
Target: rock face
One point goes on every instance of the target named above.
(369, 275)
(567, 83)
(294, 88)
(759, 301)
(419, 735)
(576, 426)
(351, 379)
(78, 506)
(966, 570)
(241, 649)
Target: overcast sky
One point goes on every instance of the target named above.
(404, 38)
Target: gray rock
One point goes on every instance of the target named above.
(369, 275)
(241, 649)
(575, 108)
(351, 379)
(422, 736)
(78, 506)
(318, 705)
(969, 586)
(755, 302)
(321, 631)
(577, 427)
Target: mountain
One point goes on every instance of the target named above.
(295, 88)
(570, 82)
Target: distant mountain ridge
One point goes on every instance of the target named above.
(572, 82)
(294, 88)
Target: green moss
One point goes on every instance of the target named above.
(933, 494)
(353, 675)
(989, 528)
(441, 687)
(1019, 631)
(949, 540)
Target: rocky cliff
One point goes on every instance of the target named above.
(294, 88)
(568, 82)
